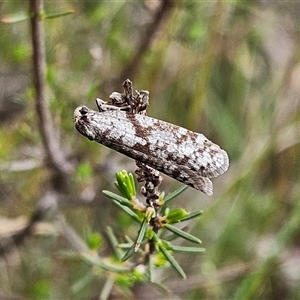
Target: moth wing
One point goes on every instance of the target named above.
(198, 182)
(214, 160)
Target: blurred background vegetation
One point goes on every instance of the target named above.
(229, 70)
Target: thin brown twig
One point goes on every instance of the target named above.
(46, 206)
(177, 288)
(48, 201)
(54, 157)
(223, 275)
(160, 15)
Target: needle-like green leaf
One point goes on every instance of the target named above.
(122, 200)
(171, 259)
(141, 235)
(114, 243)
(128, 211)
(175, 193)
(195, 250)
(183, 234)
(129, 253)
(15, 18)
(60, 14)
(192, 215)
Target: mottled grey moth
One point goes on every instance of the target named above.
(184, 155)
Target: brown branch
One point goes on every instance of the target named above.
(48, 201)
(160, 15)
(223, 275)
(46, 206)
(179, 287)
(54, 157)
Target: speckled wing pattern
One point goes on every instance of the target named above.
(184, 155)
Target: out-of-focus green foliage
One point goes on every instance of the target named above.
(227, 69)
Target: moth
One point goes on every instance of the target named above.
(184, 155)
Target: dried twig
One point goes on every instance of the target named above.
(48, 201)
(159, 17)
(53, 155)
(47, 205)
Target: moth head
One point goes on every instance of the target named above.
(79, 112)
(82, 122)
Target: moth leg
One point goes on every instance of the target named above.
(103, 106)
(142, 101)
